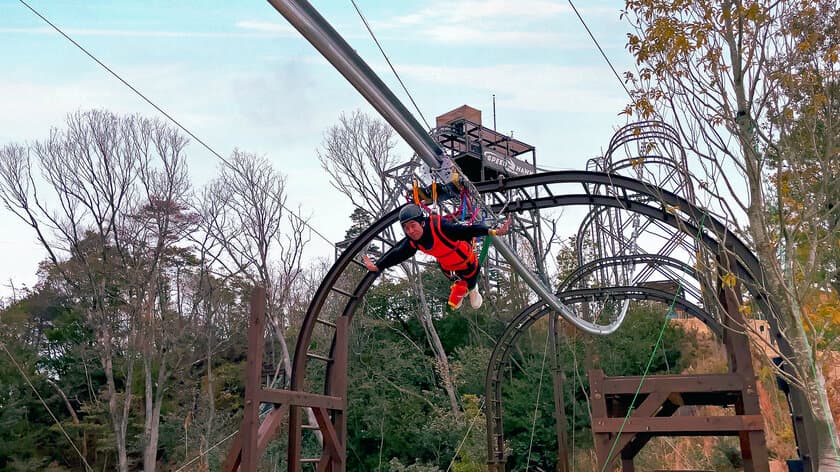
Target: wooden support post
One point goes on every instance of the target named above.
(558, 378)
(753, 444)
(599, 414)
(338, 386)
(256, 342)
(560, 422)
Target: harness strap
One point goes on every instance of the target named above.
(434, 222)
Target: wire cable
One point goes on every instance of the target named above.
(214, 446)
(159, 109)
(467, 435)
(537, 403)
(600, 49)
(47, 407)
(639, 388)
(370, 30)
(650, 361)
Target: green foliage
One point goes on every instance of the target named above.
(360, 219)
(399, 415)
(394, 465)
(392, 398)
(46, 338)
(727, 456)
(469, 368)
(629, 351)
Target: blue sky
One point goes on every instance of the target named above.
(238, 75)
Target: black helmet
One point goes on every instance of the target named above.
(411, 212)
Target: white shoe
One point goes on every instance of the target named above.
(475, 299)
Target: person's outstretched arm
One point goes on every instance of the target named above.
(501, 230)
(465, 233)
(399, 253)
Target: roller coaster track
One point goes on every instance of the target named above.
(530, 315)
(346, 283)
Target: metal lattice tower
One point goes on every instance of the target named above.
(651, 152)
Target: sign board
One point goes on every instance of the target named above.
(508, 165)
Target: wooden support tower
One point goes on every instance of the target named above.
(253, 437)
(618, 434)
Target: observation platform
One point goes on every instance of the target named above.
(482, 153)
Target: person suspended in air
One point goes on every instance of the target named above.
(449, 243)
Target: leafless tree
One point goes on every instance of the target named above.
(243, 212)
(105, 197)
(358, 152)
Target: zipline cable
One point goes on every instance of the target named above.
(467, 435)
(405, 89)
(159, 109)
(537, 404)
(214, 446)
(600, 49)
(650, 359)
(47, 407)
(639, 388)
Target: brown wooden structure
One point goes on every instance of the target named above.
(253, 438)
(627, 412)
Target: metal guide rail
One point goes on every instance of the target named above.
(332, 46)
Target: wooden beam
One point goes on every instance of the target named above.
(234, 455)
(681, 426)
(250, 420)
(295, 398)
(668, 409)
(269, 427)
(647, 409)
(698, 383)
(332, 445)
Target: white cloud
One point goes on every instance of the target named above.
(259, 31)
(473, 10)
(535, 87)
(496, 22)
(475, 36)
(266, 27)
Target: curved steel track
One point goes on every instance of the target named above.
(520, 324)
(343, 287)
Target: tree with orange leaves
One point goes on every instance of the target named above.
(754, 89)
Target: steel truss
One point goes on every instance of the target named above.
(328, 317)
(337, 298)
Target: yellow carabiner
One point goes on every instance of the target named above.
(416, 193)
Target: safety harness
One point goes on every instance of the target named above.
(453, 256)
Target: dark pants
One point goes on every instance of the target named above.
(468, 275)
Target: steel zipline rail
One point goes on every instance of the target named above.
(344, 58)
(335, 49)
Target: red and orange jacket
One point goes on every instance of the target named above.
(447, 242)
